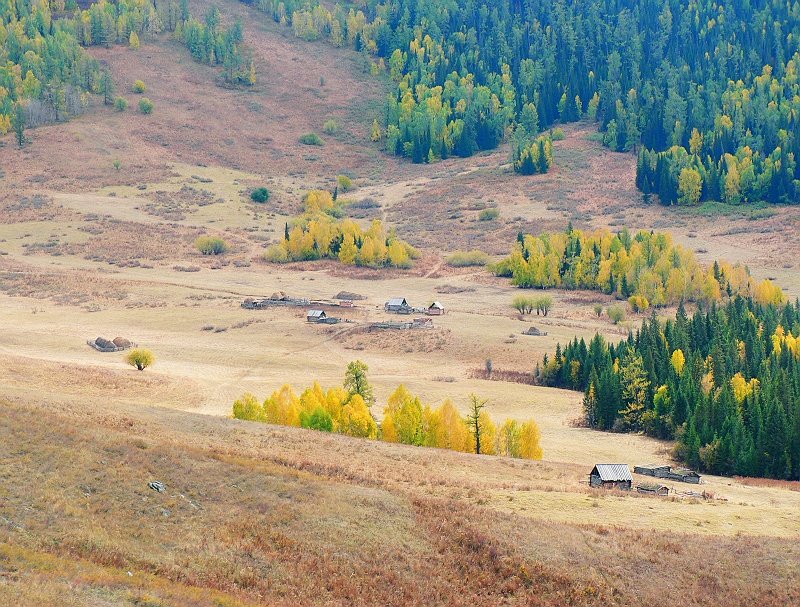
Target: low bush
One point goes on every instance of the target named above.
(557, 134)
(331, 127)
(139, 87)
(464, 259)
(345, 183)
(120, 104)
(211, 245)
(276, 254)
(311, 139)
(259, 195)
(489, 214)
(145, 106)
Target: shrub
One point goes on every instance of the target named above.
(318, 419)
(489, 214)
(345, 183)
(139, 87)
(330, 127)
(276, 254)
(140, 358)
(211, 245)
(598, 310)
(557, 134)
(145, 106)
(464, 259)
(311, 139)
(259, 195)
(638, 303)
(120, 104)
(616, 314)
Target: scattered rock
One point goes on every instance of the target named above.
(157, 486)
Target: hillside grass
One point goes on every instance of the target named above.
(255, 513)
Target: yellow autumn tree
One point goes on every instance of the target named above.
(247, 407)
(398, 255)
(509, 438)
(356, 419)
(488, 434)
(283, 407)
(530, 441)
(743, 388)
(404, 412)
(318, 201)
(446, 428)
(678, 361)
(376, 131)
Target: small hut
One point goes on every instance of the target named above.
(611, 476)
(398, 305)
(653, 489)
(435, 309)
(316, 316)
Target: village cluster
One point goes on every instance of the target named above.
(618, 476)
(317, 313)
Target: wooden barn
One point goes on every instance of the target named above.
(316, 316)
(398, 305)
(684, 475)
(611, 476)
(435, 309)
(657, 470)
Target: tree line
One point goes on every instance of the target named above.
(406, 420)
(645, 268)
(320, 234)
(699, 86)
(725, 383)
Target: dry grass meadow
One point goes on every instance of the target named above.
(255, 514)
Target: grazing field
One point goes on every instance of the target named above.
(255, 514)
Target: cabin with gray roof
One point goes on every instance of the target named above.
(611, 476)
(398, 305)
(316, 316)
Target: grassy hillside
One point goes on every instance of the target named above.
(254, 514)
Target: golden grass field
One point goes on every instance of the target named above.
(255, 514)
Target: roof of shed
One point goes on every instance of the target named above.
(397, 301)
(613, 472)
(316, 313)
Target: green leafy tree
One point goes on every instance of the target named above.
(356, 382)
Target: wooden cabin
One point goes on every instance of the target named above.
(435, 309)
(611, 476)
(316, 316)
(657, 470)
(398, 305)
(684, 475)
